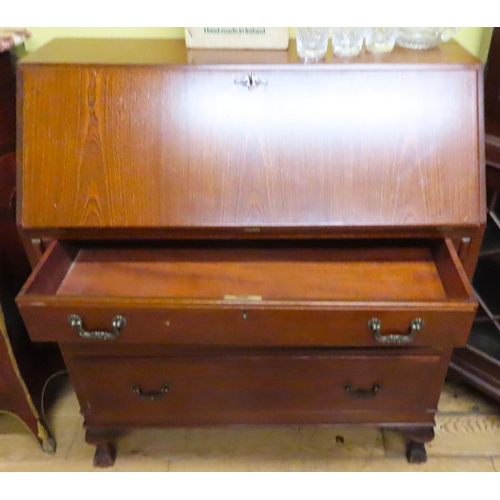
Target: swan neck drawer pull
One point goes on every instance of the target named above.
(77, 324)
(361, 394)
(150, 396)
(250, 81)
(375, 326)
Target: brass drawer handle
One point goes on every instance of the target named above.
(76, 322)
(250, 81)
(375, 326)
(150, 396)
(361, 394)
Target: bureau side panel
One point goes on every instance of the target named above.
(152, 147)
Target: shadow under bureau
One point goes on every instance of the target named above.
(239, 238)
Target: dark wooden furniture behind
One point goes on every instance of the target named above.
(24, 365)
(240, 238)
(479, 362)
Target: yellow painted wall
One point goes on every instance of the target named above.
(470, 38)
(40, 36)
(485, 43)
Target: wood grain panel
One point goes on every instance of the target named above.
(249, 389)
(163, 147)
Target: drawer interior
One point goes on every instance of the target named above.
(259, 271)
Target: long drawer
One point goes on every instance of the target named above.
(251, 294)
(333, 386)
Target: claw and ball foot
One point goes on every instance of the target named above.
(415, 452)
(105, 447)
(415, 438)
(105, 455)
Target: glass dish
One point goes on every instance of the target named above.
(423, 38)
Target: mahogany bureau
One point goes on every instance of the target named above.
(241, 238)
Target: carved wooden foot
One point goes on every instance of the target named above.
(415, 438)
(105, 452)
(415, 452)
(105, 455)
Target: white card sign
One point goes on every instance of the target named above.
(237, 38)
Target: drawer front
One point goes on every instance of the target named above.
(193, 149)
(257, 389)
(250, 326)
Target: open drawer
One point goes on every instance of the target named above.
(327, 293)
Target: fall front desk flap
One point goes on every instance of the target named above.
(390, 140)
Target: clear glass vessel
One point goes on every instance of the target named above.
(312, 43)
(347, 42)
(423, 38)
(380, 39)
